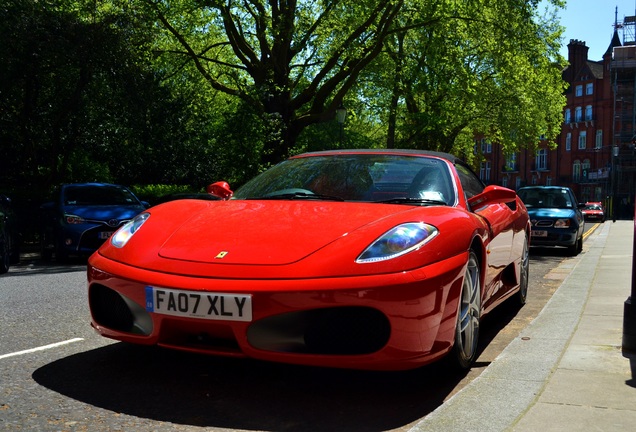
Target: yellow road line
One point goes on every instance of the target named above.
(591, 230)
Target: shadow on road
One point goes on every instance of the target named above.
(198, 390)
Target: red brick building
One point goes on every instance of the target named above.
(595, 152)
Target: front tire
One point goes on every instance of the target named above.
(468, 315)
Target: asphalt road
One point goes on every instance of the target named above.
(56, 374)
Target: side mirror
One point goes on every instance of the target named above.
(220, 189)
(492, 195)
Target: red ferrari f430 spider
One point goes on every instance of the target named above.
(366, 259)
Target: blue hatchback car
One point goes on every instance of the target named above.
(555, 215)
(82, 216)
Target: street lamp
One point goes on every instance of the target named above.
(341, 114)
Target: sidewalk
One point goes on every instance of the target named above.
(566, 370)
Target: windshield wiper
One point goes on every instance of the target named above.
(299, 195)
(412, 201)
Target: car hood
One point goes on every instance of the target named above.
(268, 232)
(547, 213)
(104, 213)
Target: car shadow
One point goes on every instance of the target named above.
(205, 391)
(536, 252)
(198, 390)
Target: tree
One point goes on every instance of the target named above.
(292, 61)
(480, 68)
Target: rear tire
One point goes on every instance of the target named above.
(468, 316)
(576, 248)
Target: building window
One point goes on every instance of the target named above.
(568, 141)
(517, 183)
(541, 159)
(576, 170)
(578, 114)
(568, 116)
(589, 88)
(504, 181)
(579, 90)
(548, 181)
(511, 162)
(582, 140)
(486, 146)
(588, 113)
(599, 139)
(585, 168)
(484, 171)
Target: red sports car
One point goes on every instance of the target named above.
(367, 259)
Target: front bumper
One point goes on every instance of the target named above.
(553, 237)
(384, 322)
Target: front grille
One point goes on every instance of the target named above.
(109, 309)
(329, 331)
(543, 223)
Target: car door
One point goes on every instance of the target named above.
(499, 218)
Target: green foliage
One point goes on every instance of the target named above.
(188, 92)
(152, 192)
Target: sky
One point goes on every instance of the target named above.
(592, 21)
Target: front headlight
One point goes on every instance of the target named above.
(121, 237)
(398, 241)
(73, 219)
(562, 223)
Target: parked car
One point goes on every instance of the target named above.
(363, 259)
(556, 217)
(82, 216)
(9, 235)
(594, 211)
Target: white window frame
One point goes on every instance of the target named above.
(589, 88)
(588, 113)
(568, 116)
(541, 159)
(599, 139)
(578, 90)
(578, 114)
(582, 140)
(568, 141)
(576, 170)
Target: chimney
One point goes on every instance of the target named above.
(577, 54)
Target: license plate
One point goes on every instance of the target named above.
(103, 235)
(539, 233)
(199, 304)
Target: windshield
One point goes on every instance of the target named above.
(593, 207)
(355, 177)
(98, 195)
(546, 198)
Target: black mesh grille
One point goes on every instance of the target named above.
(109, 309)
